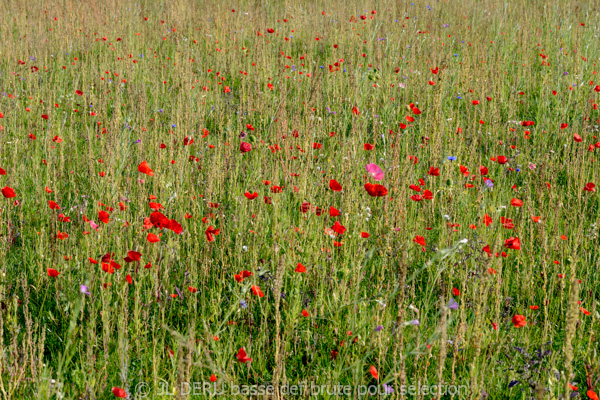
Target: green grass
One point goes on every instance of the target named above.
(147, 82)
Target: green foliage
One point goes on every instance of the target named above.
(180, 90)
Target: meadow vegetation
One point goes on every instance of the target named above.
(321, 192)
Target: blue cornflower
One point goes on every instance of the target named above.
(452, 304)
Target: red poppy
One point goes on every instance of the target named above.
(583, 310)
(159, 220)
(242, 275)
(590, 187)
(210, 231)
(487, 220)
(305, 207)
(516, 203)
(144, 168)
(334, 185)
(513, 243)
(155, 206)
(242, 356)
(519, 321)
(507, 223)
(373, 372)
(134, 255)
(300, 268)
(52, 273)
(246, 274)
(419, 240)
(369, 146)
(175, 227)
(334, 212)
(434, 171)
(115, 264)
(103, 216)
(256, 291)
(338, 228)
(62, 235)
(245, 147)
(502, 160)
(376, 190)
(53, 205)
(364, 235)
(118, 392)
(8, 192)
(152, 238)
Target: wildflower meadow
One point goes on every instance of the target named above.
(299, 199)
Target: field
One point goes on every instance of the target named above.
(281, 200)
